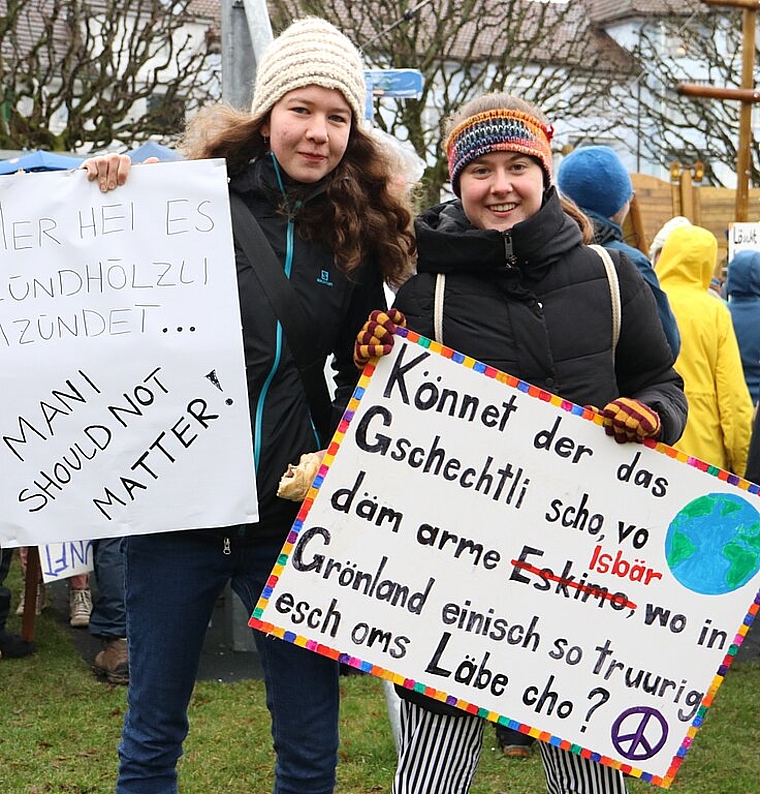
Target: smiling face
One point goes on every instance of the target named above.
(308, 132)
(501, 189)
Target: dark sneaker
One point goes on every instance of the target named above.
(13, 647)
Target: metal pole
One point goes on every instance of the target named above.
(259, 25)
(246, 31)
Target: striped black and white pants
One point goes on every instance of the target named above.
(438, 754)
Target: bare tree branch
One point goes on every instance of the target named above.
(704, 47)
(81, 74)
(541, 51)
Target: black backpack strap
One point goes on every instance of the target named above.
(289, 311)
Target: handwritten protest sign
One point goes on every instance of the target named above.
(64, 560)
(485, 542)
(743, 237)
(123, 403)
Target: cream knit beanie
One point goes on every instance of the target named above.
(310, 52)
(664, 233)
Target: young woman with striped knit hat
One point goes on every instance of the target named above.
(504, 276)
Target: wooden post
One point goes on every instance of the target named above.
(686, 190)
(675, 193)
(743, 161)
(746, 95)
(637, 224)
(32, 579)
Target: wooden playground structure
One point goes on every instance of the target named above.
(656, 201)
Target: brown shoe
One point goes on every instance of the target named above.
(112, 663)
(516, 751)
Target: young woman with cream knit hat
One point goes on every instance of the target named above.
(322, 192)
(504, 276)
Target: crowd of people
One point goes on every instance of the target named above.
(684, 370)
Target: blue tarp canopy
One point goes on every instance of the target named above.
(40, 161)
(153, 149)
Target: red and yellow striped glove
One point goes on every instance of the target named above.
(630, 420)
(376, 336)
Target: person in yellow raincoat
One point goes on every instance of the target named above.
(720, 407)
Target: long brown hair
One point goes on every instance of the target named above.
(363, 218)
(579, 216)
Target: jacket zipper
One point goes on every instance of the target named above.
(509, 254)
(511, 261)
(288, 266)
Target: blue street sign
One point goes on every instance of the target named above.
(392, 82)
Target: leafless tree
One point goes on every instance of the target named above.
(86, 74)
(702, 47)
(546, 52)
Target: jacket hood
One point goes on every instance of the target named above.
(688, 258)
(605, 230)
(447, 241)
(743, 278)
(258, 175)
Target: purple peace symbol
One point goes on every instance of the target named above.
(639, 733)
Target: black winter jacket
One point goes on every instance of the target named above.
(335, 306)
(535, 302)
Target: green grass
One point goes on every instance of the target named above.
(59, 728)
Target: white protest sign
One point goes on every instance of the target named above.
(485, 542)
(743, 237)
(123, 402)
(64, 560)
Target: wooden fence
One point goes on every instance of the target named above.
(656, 201)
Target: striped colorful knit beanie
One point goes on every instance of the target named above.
(500, 130)
(310, 52)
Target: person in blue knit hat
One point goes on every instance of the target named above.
(598, 182)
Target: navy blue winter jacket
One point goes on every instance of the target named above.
(610, 235)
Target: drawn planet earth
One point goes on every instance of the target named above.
(713, 544)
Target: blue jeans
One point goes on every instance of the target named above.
(172, 584)
(109, 615)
